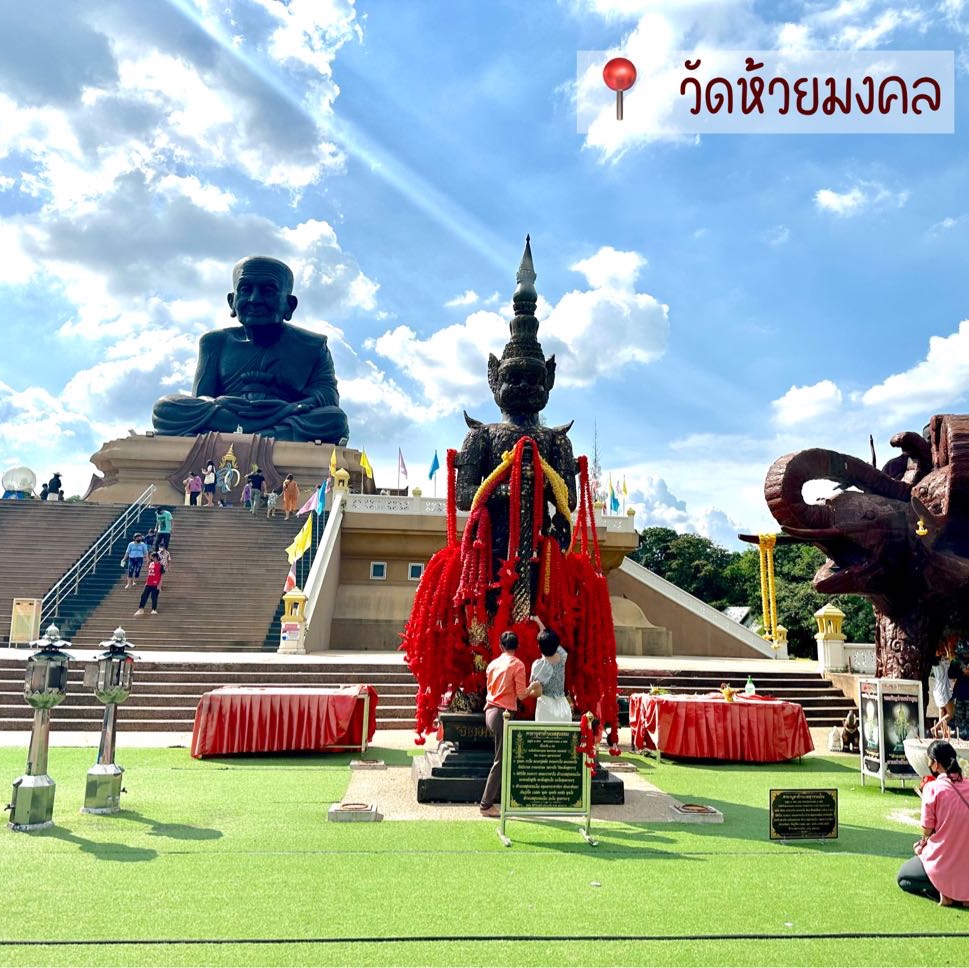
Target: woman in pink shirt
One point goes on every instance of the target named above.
(940, 869)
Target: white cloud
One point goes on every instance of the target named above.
(632, 328)
(801, 404)
(866, 36)
(611, 268)
(38, 428)
(940, 382)
(449, 365)
(862, 196)
(208, 197)
(307, 29)
(657, 507)
(945, 225)
(468, 298)
(794, 38)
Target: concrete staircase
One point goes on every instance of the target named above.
(165, 694)
(220, 595)
(823, 703)
(39, 542)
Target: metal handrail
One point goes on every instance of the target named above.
(87, 564)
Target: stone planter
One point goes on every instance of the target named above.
(916, 753)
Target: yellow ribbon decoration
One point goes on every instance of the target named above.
(768, 587)
(560, 491)
(485, 485)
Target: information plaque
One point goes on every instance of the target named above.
(544, 774)
(809, 814)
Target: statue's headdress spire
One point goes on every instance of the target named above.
(525, 298)
(523, 349)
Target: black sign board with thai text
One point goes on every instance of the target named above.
(804, 814)
(546, 770)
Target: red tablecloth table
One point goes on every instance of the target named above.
(252, 720)
(752, 729)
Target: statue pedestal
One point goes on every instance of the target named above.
(129, 464)
(457, 770)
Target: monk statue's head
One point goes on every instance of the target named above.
(262, 292)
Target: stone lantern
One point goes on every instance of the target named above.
(830, 638)
(293, 625)
(45, 686)
(110, 676)
(341, 481)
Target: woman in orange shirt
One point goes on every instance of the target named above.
(290, 496)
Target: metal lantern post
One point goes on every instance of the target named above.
(45, 686)
(111, 678)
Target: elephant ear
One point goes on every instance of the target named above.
(942, 497)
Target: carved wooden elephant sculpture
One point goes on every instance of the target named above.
(898, 536)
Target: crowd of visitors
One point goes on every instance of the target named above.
(153, 548)
(201, 488)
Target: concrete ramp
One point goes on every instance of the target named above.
(695, 628)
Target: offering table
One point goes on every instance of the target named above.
(755, 729)
(252, 720)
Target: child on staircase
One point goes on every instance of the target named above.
(152, 585)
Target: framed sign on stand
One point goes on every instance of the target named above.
(891, 711)
(544, 774)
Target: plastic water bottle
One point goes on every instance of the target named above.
(749, 689)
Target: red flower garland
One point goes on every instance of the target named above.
(572, 599)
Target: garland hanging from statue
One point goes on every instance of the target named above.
(464, 603)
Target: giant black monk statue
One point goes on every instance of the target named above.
(265, 376)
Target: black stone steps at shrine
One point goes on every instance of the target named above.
(457, 770)
(824, 703)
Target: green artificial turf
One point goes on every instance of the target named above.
(234, 850)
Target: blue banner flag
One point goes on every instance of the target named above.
(435, 467)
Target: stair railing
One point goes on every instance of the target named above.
(324, 578)
(87, 564)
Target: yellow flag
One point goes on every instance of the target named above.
(301, 542)
(333, 462)
(365, 464)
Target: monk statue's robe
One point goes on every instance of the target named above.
(284, 387)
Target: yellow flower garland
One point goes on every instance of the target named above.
(559, 490)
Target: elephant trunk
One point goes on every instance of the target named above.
(787, 476)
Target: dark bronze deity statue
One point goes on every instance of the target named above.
(520, 382)
(517, 556)
(899, 536)
(265, 376)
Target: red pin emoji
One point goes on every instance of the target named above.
(619, 75)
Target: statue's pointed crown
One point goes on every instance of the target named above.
(524, 345)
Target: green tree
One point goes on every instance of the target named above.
(654, 548)
(720, 578)
(797, 601)
(689, 561)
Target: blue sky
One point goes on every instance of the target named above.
(713, 303)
